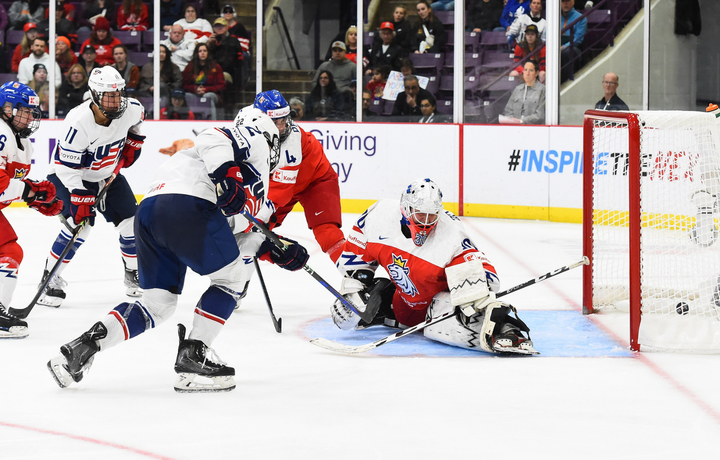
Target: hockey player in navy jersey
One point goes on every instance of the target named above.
(225, 173)
(434, 268)
(95, 136)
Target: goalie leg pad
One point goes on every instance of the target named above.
(460, 331)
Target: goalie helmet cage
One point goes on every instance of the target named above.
(651, 183)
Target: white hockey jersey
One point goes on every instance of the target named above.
(15, 160)
(186, 172)
(418, 272)
(88, 151)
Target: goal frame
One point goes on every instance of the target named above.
(634, 210)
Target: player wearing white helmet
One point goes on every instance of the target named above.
(434, 267)
(95, 136)
(20, 112)
(224, 173)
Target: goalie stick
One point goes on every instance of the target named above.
(277, 322)
(367, 316)
(22, 313)
(341, 348)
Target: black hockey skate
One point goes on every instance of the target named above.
(54, 294)
(132, 282)
(11, 327)
(195, 359)
(77, 356)
(511, 340)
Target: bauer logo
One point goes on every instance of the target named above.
(547, 161)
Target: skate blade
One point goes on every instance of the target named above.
(14, 332)
(134, 292)
(186, 383)
(54, 302)
(524, 350)
(56, 366)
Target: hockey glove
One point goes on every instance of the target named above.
(293, 258)
(82, 206)
(132, 149)
(229, 187)
(48, 209)
(43, 191)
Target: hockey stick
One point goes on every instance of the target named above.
(276, 322)
(367, 316)
(338, 347)
(22, 313)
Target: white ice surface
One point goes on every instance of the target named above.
(296, 401)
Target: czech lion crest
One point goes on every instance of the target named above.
(400, 274)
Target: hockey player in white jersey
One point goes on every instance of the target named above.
(95, 136)
(20, 113)
(434, 268)
(182, 223)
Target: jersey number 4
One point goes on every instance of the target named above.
(290, 158)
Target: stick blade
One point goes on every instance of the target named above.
(340, 348)
(278, 326)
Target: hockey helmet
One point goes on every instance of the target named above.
(23, 122)
(107, 80)
(274, 104)
(421, 205)
(252, 117)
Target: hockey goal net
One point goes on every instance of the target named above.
(650, 225)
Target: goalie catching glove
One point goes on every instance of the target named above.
(367, 294)
(228, 182)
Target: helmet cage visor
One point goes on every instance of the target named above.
(25, 120)
(110, 111)
(421, 224)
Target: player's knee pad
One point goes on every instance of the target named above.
(328, 235)
(160, 303)
(125, 227)
(134, 318)
(217, 303)
(12, 253)
(235, 275)
(459, 331)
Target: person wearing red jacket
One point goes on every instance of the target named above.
(22, 50)
(133, 15)
(103, 41)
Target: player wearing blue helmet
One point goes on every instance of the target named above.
(19, 106)
(302, 174)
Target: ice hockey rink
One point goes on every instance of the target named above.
(585, 397)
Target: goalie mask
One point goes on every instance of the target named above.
(421, 205)
(274, 104)
(24, 116)
(107, 89)
(252, 117)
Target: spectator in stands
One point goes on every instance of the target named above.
(367, 114)
(72, 91)
(429, 33)
(443, 5)
(407, 104)
(3, 18)
(198, 29)
(226, 50)
(513, 10)
(351, 51)
(103, 41)
(181, 48)
(170, 76)
(342, 69)
(297, 109)
(527, 46)
(428, 107)
(170, 11)
(385, 52)
(129, 71)
(133, 15)
(37, 56)
(22, 12)
(611, 101)
(68, 9)
(178, 108)
(407, 67)
(325, 101)
(203, 77)
(402, 30)
(237, 30)
(93, 9)
(516, 32)
(484, 15)
(64, 55)
(87, 59)
(39, 84)
(567, 53)
(22, 50)
(376, 85)
(527, 101)
(63, 26)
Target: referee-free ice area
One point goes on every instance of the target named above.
(585, 397)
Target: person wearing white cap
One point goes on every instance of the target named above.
(342, 69)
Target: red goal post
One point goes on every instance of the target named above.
(651, 184)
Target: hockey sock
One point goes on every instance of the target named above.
(330, 238)
(8, 279)
(214, 308)
(61, 243)
(127, 243)
(133, 318)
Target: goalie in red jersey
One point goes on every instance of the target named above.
(434, 268)
(302, 173)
